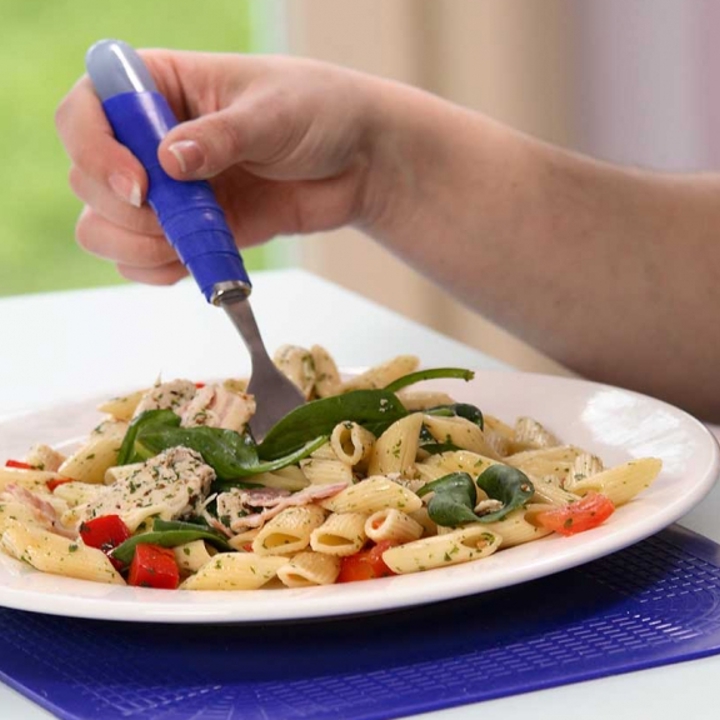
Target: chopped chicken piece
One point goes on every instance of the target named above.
(43, 457)
(171, 485)
(215, 406)
(173, 395)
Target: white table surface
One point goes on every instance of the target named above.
(60, 347)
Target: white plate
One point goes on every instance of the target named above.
(615, 424)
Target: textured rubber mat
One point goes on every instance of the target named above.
(654, 603)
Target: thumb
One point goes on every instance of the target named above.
(206, 146)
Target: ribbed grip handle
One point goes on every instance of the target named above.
(190, 217)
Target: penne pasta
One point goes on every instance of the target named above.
(459, 432)
(326, 471)
(415, 400)
(327, 378)
(191, 556)
(396, 449)
(343, 533)
(90, 463)
(459, 461)
(515, 529)
(310, 568)
(298, 366)
(372, 494)
(351, 443)
(58, 555)
(288, 532)
(382, 375)
(34, 480)
(288, 478)
(123, 407)
(235, 571)
(472, 542)
(622, 483)
(393, 526)
(529, 433)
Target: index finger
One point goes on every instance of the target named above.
(89, 141)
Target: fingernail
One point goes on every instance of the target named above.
(189, 155)
(126, 188)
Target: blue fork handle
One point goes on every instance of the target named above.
(188, 212)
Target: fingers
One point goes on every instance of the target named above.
(140, 220)
(88, 140)
(146, 258)
(165, 275)
(257, 128)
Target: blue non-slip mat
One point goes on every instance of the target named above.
(654, 603)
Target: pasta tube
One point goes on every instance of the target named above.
(310, 568)
(373, 494)
(393, 525)
(235, 571)
(341, 534)
(95, 457)
(59, 556)
(396, 449)
(382, 375)
(289, 531)
(351, 443)
(471, 542)
(623, 482)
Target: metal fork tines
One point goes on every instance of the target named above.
(275, 395)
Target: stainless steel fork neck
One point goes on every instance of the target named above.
(229, 292)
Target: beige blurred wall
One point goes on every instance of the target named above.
(507, 58)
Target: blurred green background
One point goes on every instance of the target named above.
(41, 56)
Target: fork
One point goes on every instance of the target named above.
(193, 222)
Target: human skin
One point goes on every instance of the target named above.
(614, 272)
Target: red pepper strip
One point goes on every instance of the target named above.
(584, 514)
(153, 566)
(52, 484)
(366, 564)
(105, 533)
(199, 385)
(19, 465)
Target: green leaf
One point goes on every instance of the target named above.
(435, 448)
(169, 534)
(230, 454)
(130, 450)
(463, 410)
(453, 501)
(509, 485)
(374, 409)
(429, 374)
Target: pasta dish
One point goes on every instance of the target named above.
(372, 477)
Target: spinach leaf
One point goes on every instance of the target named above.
(435, 448)
(169, 534)
(230, 454)
(510, 486)
(463, 410)
(453, 501)
(429, 374)
(131, 449)
(374, 409)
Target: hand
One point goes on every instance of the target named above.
(287, 145)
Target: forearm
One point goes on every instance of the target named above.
(614, 273)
